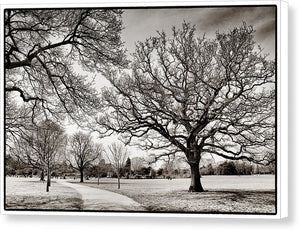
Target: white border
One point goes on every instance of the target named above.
(282, 105)
(282, 57)
(137, 3)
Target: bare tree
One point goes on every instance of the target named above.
(40, 148)
(192, 95)
(82, 152)
(137, 163)
(173, 164)
(47, 50)
(117, 155)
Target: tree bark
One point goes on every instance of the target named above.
(81, 175)
(195, 178)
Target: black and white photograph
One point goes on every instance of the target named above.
(144, 110)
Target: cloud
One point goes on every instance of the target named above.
(143, 23)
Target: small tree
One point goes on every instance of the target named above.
(117, 155)
(40, 147)
(82, 152)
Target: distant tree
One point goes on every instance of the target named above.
(272, 166)
(23, 152)
(127, 168)
(207, 170)
(259, 169)
(64, 168)
(103, 168)
(171, 165)
(41, 147)
(13, 164)
(153, 173)
(227, 168)
(160, 171)
(117, 155)
(97, 169)
(243, 168)
(192, 95)
(210, 169)
(137, 163)
(146, 171)
(82, 152)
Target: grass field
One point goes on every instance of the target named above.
(230, 194)
(224, 194)
(30, 193)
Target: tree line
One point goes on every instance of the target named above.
(236, 168)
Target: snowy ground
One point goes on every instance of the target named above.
(229, 194)
(225, 194)
(30, 193)
(253, 182)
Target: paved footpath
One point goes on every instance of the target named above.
(99, 199)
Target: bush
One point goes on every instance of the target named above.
(226, 168)
(153, 173)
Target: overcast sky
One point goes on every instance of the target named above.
(142, 23)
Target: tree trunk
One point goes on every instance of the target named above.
(195, 179)
(118, 181)
(42, 178)
(81, 175)
(48, 181)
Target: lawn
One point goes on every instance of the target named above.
(224, 194)
(30, 193)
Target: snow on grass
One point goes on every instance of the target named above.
(229, 194)
(225, 194)
(30, 193)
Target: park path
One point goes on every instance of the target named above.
(99, 199)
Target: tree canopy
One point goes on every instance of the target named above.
(47, 52)
(193, 95)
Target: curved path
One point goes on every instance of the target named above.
(99, 199)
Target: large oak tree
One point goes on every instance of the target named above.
(192, 95)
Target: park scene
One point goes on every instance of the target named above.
(162, 109)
